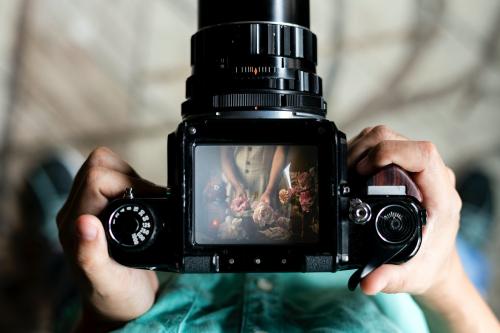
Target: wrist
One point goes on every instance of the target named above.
(448, 291)
(454, 305)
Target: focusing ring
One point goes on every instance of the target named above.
(263, 39)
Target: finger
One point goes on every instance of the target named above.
(103, 276)
(419, 157)
(361, 134)
(367, 139)
(105, 157)
(100, 157)
(100, 185)
(452, 176)
(386, 278)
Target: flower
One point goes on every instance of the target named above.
(263, 214)
(239, 205)
(283, 222)
(306, 200)
(276, 233)
(285, 195)
(232, 229)
(305, 180)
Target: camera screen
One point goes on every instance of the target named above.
(255, 194)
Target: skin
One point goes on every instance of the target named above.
(229, 168)
(112, 293)
(435, 275)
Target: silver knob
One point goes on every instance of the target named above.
(129, 193)
(359, 212)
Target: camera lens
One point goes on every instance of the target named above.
(395, 224)
(253, 55)
(131, 226)
(213, 12)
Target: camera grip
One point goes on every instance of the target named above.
(392, 175)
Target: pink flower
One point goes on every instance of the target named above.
(306, 200)
(263, 214)
(239, 205)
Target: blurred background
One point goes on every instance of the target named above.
(84, 73)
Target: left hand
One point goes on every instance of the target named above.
(437, 261)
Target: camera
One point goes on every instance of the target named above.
(257, 176)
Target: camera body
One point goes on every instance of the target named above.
(257, 176)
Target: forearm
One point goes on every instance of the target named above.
(228, 167)
(276, 167)
(454, 305)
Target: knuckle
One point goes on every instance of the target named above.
(93, 177)
(382, 154)
(429, 149)
(382, 132)
(365, 131)
(98, 156)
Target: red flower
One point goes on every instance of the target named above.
(305, 180)
(306, 200)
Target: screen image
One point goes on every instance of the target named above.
(255, 194)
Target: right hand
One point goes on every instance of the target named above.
(112, 294)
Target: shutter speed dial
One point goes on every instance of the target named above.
(132, 226)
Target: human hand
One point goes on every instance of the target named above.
(266, 197)
(437, 261)
(112, 293)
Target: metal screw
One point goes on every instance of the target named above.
(192, 130)
(129, 193)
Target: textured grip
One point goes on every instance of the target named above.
(393, 175)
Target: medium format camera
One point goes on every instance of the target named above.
(257, 176)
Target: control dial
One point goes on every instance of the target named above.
(395, 224)
(132, 226)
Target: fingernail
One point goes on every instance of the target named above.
(87, 231)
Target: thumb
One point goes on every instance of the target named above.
(387, 278)
(91, 251)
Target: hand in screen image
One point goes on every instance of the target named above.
(253, 173)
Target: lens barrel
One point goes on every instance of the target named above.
(214, 12)
(253, 55)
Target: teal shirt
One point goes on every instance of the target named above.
(290, 302)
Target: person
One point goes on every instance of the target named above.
(118, 297)
(253, 171)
